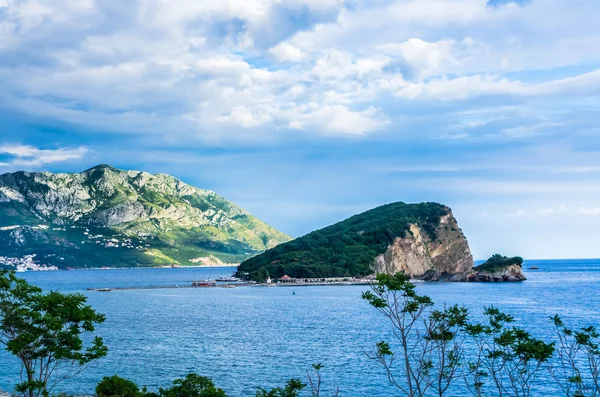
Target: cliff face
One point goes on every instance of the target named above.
(422, 240)
(419, 256)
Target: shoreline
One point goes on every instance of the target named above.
(230, 285)
(123, 268)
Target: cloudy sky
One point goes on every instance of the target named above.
(308, 111)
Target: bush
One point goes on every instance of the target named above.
(498, 262)
(115, 386)
(193, 386)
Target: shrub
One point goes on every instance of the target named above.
(193, 386)
(115, 386)
(498, 262)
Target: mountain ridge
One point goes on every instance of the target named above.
(161, 218)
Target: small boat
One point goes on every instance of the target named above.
(227, 279)
(103, 289)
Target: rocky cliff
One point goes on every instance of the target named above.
(423, 240)
(419, 255)
(110, 217)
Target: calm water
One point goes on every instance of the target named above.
(249, 336)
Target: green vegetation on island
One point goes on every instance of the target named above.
(47, 332)
(498, 263)
(346, 248)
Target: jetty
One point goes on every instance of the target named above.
(284, 281)
(142, 287)
(194, 284)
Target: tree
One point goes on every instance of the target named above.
(395, 297)
(44, 331)
(291, 389)
(576, 369)
(445, 332)
(193, 385)
(315, 380)
(509, 355)
(115, 386)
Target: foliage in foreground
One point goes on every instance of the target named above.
(192, 385)
(432, 352)
(44, 331)
(438, 352)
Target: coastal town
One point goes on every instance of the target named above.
(25, 263)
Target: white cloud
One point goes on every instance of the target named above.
(32, 156)
(193, 67)
(417, 59)
(467, 87)
(589, 211)
(286, 52)
(534, 129)
(245, 118)
(339, 119)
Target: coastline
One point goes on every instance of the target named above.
(126, 268)
(236, 285)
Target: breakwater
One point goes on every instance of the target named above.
(166, 287)
(235, 285)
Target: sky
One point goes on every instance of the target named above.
(306, 112)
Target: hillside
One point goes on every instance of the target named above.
(109, 217)
(418, 239)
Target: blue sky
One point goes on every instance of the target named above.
(308, 111)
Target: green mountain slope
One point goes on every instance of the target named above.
(109, 217)
(348, 248)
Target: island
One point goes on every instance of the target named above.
(420, 240)
(496, 268)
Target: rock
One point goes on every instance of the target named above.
(509, 273)
(534, 268)
(418, 256)
(430, 275)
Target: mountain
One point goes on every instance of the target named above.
(422, 240)
(109, 217)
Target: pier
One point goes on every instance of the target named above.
(193, 284)
(197, 284)
(144, 287)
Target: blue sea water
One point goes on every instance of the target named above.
(248, 337)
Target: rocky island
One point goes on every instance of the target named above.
(421, 240)
(497, 268)
(110, 217)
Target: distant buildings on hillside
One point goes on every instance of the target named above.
(25, 263)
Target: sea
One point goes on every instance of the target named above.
(250, 337)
